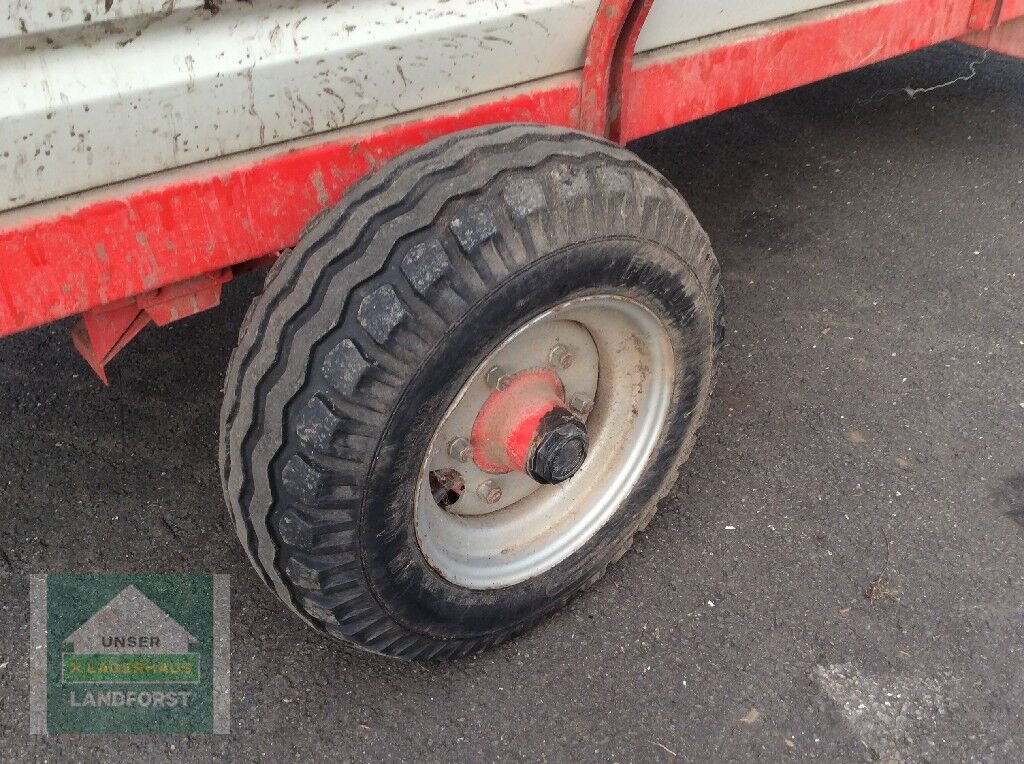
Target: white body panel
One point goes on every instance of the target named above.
(90, 97)
(672, 21)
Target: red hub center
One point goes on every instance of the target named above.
(526, 427)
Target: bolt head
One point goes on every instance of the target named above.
(581, 403)
(460, 449)
(497, 378)
(560, 357)
(559, 448)
(489, 491)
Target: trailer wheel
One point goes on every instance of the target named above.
(467, 387)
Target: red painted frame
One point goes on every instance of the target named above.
(60, 264)
(668, 91)
(94, 251)
(1007, 38)
(608, 62)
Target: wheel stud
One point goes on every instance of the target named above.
(581, 403)
(489, 491)
(560, 357)
(460, 450)
(497, 378)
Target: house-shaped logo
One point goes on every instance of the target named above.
(130, 624)
(129, 653)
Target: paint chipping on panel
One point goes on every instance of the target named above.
(317, 179)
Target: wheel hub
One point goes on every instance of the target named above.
(525, 426)
(544, 441)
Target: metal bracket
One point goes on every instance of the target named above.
(608, 64)
(103, 332)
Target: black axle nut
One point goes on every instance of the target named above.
(559, 448)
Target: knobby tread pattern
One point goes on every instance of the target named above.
(348, 316)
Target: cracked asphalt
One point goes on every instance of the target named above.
(837, 575)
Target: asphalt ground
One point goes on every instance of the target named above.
(837, 575)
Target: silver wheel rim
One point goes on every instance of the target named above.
(623, 363)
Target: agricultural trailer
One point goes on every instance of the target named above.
(488, 332)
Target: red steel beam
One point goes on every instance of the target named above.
(690, 81)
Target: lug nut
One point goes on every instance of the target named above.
(460, 449)
(497, 378)
(581, 403)
(560, 357)
(489, 491)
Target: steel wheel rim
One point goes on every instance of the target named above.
(536, 527)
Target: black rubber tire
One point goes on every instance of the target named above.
(366, 331)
